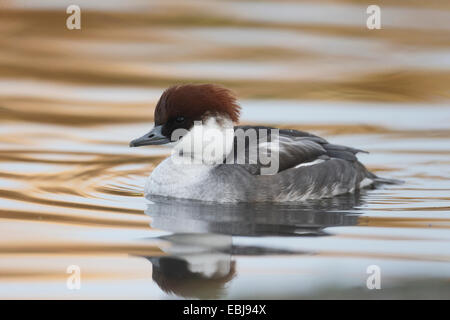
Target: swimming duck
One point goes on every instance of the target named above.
(213, 159)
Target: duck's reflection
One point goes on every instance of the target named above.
(196, 265)
(199, 259)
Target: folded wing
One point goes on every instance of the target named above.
(256, 146)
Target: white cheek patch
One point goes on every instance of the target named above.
(208, 142)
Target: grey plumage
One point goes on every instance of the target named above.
(339, 172)
(309, 167)
(295, 147)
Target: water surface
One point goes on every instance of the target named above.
(71, 189)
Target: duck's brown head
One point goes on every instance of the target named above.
(180, 106)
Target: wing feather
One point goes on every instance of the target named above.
(293, 148)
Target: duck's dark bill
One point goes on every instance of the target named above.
(154, 137)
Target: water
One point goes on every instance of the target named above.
(71, 189)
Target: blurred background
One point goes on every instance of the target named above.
(71, 100)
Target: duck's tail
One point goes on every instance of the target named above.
(380, 180)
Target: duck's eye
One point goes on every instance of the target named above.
(179, 119)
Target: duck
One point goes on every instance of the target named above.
(213, 159)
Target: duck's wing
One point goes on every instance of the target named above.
(256, 147)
